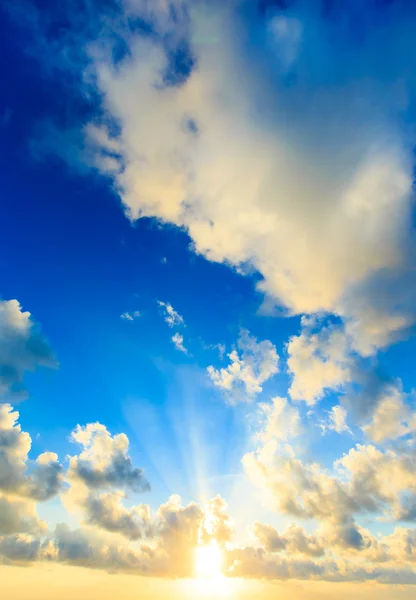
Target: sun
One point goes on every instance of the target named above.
(208, 561)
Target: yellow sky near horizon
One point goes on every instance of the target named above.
(51, 582)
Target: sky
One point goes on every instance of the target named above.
(207, 299)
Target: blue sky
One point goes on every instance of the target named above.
(248, 168)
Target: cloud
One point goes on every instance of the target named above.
(18, 515)
(44, 480)
(161, 543)
(294, 540)
(323, 210)
(130, 316)
(251, 365)
(282, 421)
(284, 158)
(380, 480)
(22, 348)
(107, 512)
(177, 340)
(337, 421)
(19, 548)
(168, 537)
(14, 448)
(21, 486)
(392, 417)
(171, 316)
(318, 360)
(104, 461)
(314, 237)
(217, 524)
(93, 549)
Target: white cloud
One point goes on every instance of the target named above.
(282, 421)
(44, 480)
(392, 417)
(318, 361)
(130, 316)
(177, 340)
(337, 421)
(314, 221)
(251, 365)
(171, 316)
(20, 487)
(104, 461)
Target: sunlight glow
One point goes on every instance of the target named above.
(208, 561)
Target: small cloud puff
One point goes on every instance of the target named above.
(177, 340)
(251, 365)
(130, 316)
(170, 315)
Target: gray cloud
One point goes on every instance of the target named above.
(104, 461)
(22, 348)
(18, 516)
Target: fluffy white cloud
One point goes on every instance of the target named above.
(22, 348)
(171, 316)
(337, 420)
(21, 485)
(177, 340)
(104, 461)
(45, 478)
(316, 213)
(280, 420)
(251, 365)
(318, 361)
(392, 417)
(381, 481)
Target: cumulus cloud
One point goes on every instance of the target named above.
(170, 315)
(89, 548)
(318, 361)
(294, 540)
(21, 486)
(45, 478)
(162, 542)
(392, 417)
(365, 481)
(252, 363)
(22, 348)
(107, 512)
(19, 549)
(18, 515)
(104, 461)
(167, 538)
